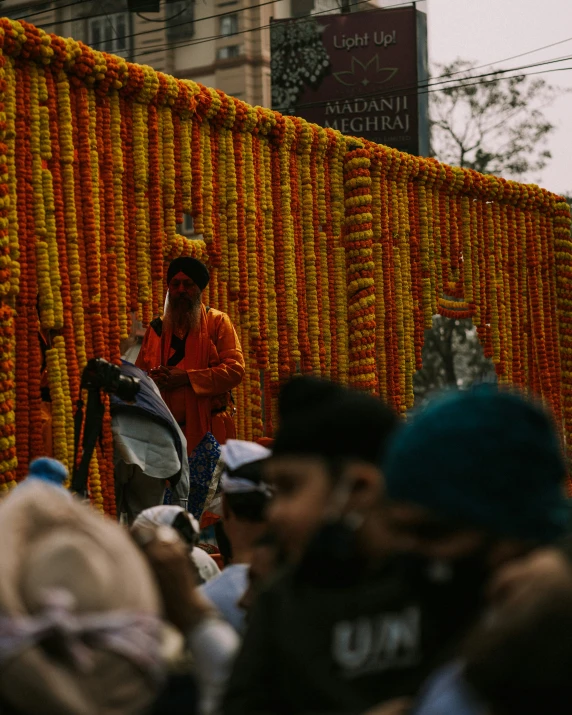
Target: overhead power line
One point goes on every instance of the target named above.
(210, 17)
(515, 57)
(433, 81)
(153, 49)
(435, 84)
(167, 20)
(191, 43)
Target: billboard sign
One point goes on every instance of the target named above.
(362, 73)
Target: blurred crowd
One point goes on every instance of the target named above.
(364, 565)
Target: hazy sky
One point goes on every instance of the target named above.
(490, 30)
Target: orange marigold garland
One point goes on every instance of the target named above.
(312, 201)
(33, 357)
(563, 269)
(25, 223)
(330, 255)
(416, 281)
(358, 243)
(13, 233)
(328, 264)
(8, 459)
(156, 217)
(59, 157)
(551, 300)
(297, 299)
(424, 253)
(284, 366)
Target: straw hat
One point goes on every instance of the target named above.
(79, 626)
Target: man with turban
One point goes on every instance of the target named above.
(194, 356)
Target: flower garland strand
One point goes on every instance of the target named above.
(358, 240)
(331, 255)
(22, 354)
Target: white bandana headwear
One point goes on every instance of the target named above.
(237, 453)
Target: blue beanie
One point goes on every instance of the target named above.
(48, 470)
(483, 458)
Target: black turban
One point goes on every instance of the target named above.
(332, 422)
(191, 267)
(305, 392)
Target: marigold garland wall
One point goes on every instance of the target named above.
(330, 254)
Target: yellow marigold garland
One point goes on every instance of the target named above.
(269, 268)
(118, 178)
(141, 187)
(311, 278)
(334, 258)
(67, 155)
(186, 174)
(289, 251)
(59, 416)
(46, 298)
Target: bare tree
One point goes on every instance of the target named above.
(452, 358)
(492, 124)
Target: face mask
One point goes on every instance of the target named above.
(332, 558)
(451, 591)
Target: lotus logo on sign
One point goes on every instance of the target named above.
(362, 73)
(366, 73)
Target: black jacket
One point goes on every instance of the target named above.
(311, 649)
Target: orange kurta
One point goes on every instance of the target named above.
(215, 365)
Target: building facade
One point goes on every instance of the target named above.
(220, 43)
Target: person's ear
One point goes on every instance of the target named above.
(364, 484)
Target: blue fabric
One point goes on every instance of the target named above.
(484, 458)
(202, 463)
(48, 470)
(447, 693)
(148, 402)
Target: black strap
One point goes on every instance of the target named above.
(92, 429)
(178, 345)
(157, 326)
